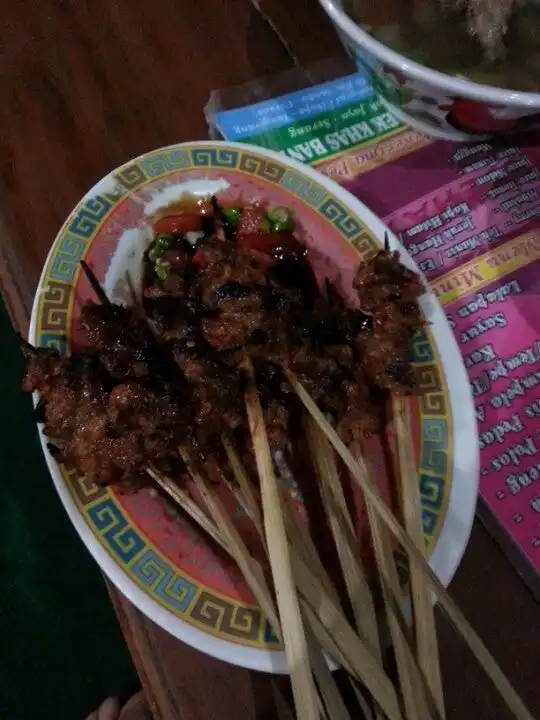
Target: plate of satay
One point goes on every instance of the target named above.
(254, 412)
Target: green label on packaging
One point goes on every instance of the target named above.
(344, 115)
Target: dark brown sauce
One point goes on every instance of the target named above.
(186, 204)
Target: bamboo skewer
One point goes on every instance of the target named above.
(327, 620)
(249, 499)
(94, 282)
(427, 651)
(322, 609)
(367, 712)
(324, 678)
(184, 501)
(359, 473)
(249, 567)
(330, 693)
(343, 532)
(299, 538)
(190, 507)
(352, 651)
(294, 636)
(302, 542)
(414, 700)
(330, 613)
(325, 638)
(248, 494)
(335, 707)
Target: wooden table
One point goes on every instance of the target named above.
(86, 85)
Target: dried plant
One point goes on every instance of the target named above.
(489, 21)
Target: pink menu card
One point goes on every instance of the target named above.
(470, 217)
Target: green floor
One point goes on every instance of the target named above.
(61, 650)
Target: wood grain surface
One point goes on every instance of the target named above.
(86, 85)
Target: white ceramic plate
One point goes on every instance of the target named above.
(155, 558)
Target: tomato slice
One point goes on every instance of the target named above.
(271, 243)
(199, 258)
(177, 224)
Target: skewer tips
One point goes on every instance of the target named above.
(94, 282)
(27, 348)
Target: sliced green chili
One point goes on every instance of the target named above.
(163, 272)
(164, 242)
(232, 215)
(285, 225)
(278, 215)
